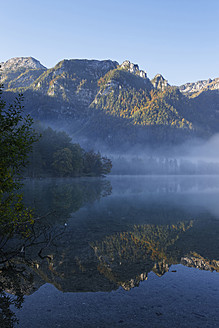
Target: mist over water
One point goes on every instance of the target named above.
(195, 195)
(206, 151)
(192, 158)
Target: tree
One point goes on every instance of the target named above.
(106, 165)
(16, 139)
(95, 165)
(63, 162)
(77, 159)
(92, 163)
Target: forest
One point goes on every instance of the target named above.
(54, 155)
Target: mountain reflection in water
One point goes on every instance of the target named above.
(105, 234)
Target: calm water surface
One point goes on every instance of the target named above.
(117, 252)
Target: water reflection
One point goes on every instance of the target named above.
(62, 197)
(97, 243)
(21, 258)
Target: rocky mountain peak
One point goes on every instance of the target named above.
(133, 68)
(159, 82)
(198, 86)
(16, 63)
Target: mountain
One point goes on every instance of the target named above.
(133, 68)
(199, 86)
(20, 72)
(121, 259)
(102, 101)
(159, 82)
(22, 62)
(134, 98)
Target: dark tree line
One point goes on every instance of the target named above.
(55, 155)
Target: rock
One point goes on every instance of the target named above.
(143, 74)
(200, 263)
(159, 82)
(133, 68)
(198, 86)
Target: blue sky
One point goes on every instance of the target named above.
(179, 39)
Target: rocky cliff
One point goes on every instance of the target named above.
(198, 86)
(133, 68)
(159, 82)
(200, 263)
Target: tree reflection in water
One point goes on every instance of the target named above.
(21, 254)
(98, 249)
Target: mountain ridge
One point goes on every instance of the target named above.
(203, 85)
(113, 102)
(22, 62)
(32, 63)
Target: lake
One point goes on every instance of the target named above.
(125, 251)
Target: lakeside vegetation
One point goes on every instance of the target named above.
(54, 155)
(17, 138)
